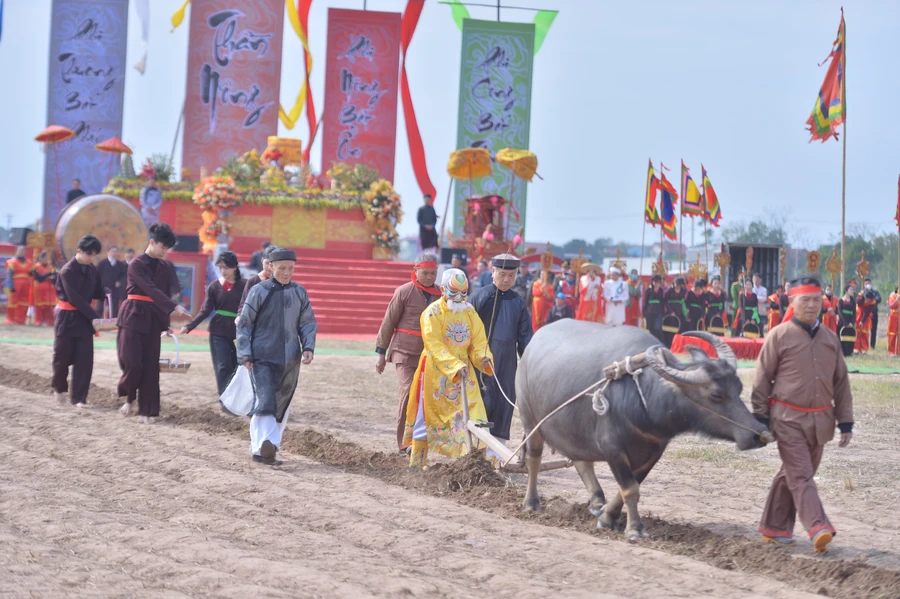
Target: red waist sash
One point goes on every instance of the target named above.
(140, 298)
(773, 401)
(63, 305)
(409, 332)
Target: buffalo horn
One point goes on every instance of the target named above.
(725, 352)
(656, 356)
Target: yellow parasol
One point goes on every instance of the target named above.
(523, 164)
(468, 163)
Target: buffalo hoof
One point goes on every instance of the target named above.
(636, 534)
(605, 521)
(595, 506)
(532, 505)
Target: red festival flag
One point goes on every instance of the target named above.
(651, 215)
(897, 214)
(691, 202)
(831, 106)
(712, 212)
(669, 198)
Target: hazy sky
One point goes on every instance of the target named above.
(727, 83)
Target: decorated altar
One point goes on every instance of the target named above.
(349, 214)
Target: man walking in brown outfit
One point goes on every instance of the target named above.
(800, 391)
(400, 337)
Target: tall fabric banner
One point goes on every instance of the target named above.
(86, 92)
(233, 80)
(494, 104)
(359, 119)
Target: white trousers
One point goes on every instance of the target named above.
(266, 428)
(420, 431)
(615, 314)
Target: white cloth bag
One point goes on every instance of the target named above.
(239, 396)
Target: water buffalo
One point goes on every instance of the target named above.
(567, 357)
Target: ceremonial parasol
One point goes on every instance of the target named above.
(523, 164)
(53, 135)
(113, 145)
(468, 163)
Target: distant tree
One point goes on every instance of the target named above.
(757, 231)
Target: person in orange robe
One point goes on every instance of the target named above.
(543, 294)
(590, 305)
(775, 307)
(43, 290)
(635, 297)
(894, 323)
(865, 304)
(829, 310)
(18, 284)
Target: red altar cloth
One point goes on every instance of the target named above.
(744, 349)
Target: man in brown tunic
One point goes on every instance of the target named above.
(801, 389)
(143, 316)
(402, 324)
(77, 285)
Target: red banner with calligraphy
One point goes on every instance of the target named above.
(233, 80)
(359, 121)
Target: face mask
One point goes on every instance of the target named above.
(634, 277)
(570, 279)
(868, 286)
(828, 293)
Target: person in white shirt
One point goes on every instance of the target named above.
(762, 296)
(615, 292)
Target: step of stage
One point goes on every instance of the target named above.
(349, 297)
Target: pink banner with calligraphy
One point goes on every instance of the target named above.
(359, 121)
(233, 80)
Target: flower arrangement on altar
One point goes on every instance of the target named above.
(217, 196)
(351, 178)
(383, 213)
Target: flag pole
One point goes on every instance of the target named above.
(681, 226)
(662, 249)
(844, 157)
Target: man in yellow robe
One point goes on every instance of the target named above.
(454, 341)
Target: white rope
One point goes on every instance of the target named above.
(635, 374)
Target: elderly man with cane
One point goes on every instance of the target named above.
(801, 391)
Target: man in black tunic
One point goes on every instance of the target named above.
(427, 219)
(508, 328)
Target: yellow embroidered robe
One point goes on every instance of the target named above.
(452, 341)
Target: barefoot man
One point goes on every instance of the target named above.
(399, 339)
(77, 285)
(276, 332)
(809, 395)
(143, 316)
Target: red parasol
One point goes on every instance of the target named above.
(113, 145)
(53, 135)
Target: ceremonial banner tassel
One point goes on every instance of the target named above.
(414, 137)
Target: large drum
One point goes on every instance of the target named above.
(111, 219)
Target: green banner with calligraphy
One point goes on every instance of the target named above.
(494, 113)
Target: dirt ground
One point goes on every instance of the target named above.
(93, 505)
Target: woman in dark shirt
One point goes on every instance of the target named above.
(749, 307)
(223, 296)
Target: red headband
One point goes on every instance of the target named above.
(805, 290)
(426, 265)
